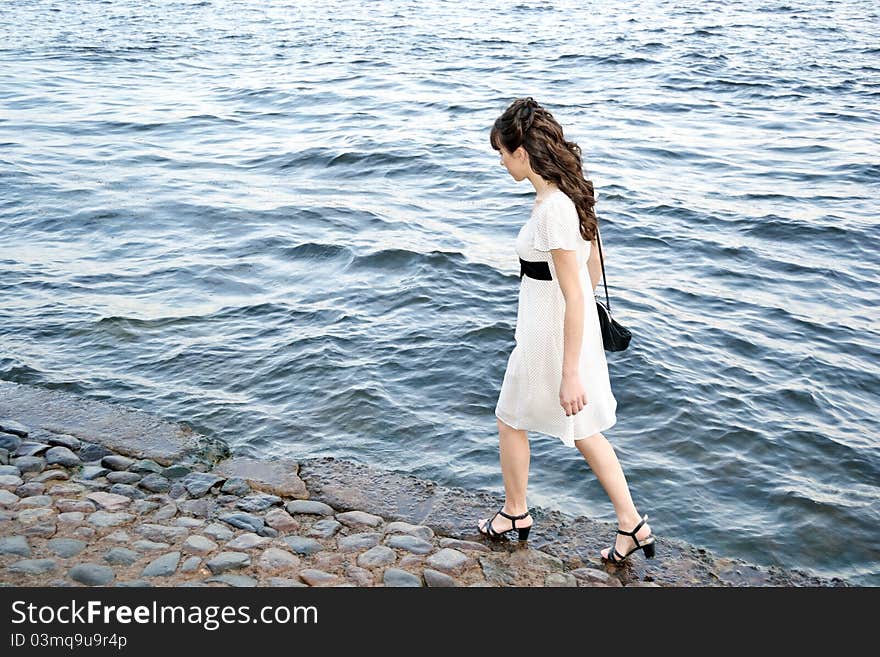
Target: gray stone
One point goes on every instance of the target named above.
(203, 508)
(143, 507)
(233, 580)
(285, 581)
(44, 529)
(560, 579)
(33, 566)
(67, 488)
(196, 544)
(358, 518)
(245, 521)
(9, 443)
(34, 501)
(128, 490)
(145, 545)
(92, 574)
(134, 583)
(199, 483)
(65, 440)
(62, 456)
(235, 486)
(109, 501)
(217, 531)
(107, 519)
(7, 498)
(311, 507)
(116, 462)
(66, 547)
(595, 577)
(31, 448)
(228, 561)
(176, 471)
(30, 463)
(123, 477)
(8, 425)
(409, 543)
(258, 502)
(155, 483)
(315, 577)
(325, 528)
(190, 523)
(90, 472)
(93, 452)
(55, 474)
(376, 556)
(303, 545)
(9, 470)
(459, 544)
(275, 558)
(17, 545)
(281, 520)
(247, 541)
(10, 482)
(436, 579)
(161, 532)
(399, 577)
(121, 556)
(4, 456)
(191, 564)
(30, 488)
(146, 466)
(421, 531)
(39, 514)
(67, 504)
(163, 566)
(167, 512)
(71, 517)
(356, 542)
(449, 561)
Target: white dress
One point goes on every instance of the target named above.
(529, 397)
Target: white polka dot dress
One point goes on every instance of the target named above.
(529, 397)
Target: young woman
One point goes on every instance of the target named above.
(556, 381)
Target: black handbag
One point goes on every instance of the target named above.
(615, 336)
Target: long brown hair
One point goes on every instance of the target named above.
(525, 123)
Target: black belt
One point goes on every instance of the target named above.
(538, 269)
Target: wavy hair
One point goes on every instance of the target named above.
(525, 123)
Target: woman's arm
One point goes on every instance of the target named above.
(566, 265)
(594, 266)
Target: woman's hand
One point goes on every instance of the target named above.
(572, 395)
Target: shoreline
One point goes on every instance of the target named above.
(99, 494)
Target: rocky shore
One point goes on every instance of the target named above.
(96, 494)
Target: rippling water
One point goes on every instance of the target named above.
(282, 223)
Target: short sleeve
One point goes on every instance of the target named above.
(557, 225)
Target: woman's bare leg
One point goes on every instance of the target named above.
(514, 449)
(602, 459)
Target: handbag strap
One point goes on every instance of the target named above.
(602, 260)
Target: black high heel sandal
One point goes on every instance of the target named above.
(491, 533)
(647, 544)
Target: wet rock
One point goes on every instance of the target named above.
(199, 483)
(310, 507)
(464, 545)
(90, 472)
(16, 545)
(66, 547)
(278, 476)
(325, 528)
(92, 574)
(62, 456)
(377, 556)
(116, 462)
(409, 543)
(30, 463)
(121, 556)
(595, 577)
(398, 577)
(176, 471)
(303, 544)
(70, 442)
(228, 561)
(560, 579)
(436, 579)
(146, 466)
(164, 566)
(109, 501)
(8, 425)
(359, 518)
(9, 443)
(31, 448)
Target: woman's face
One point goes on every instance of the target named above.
(515, 162)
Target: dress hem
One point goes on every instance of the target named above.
(565, 441)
